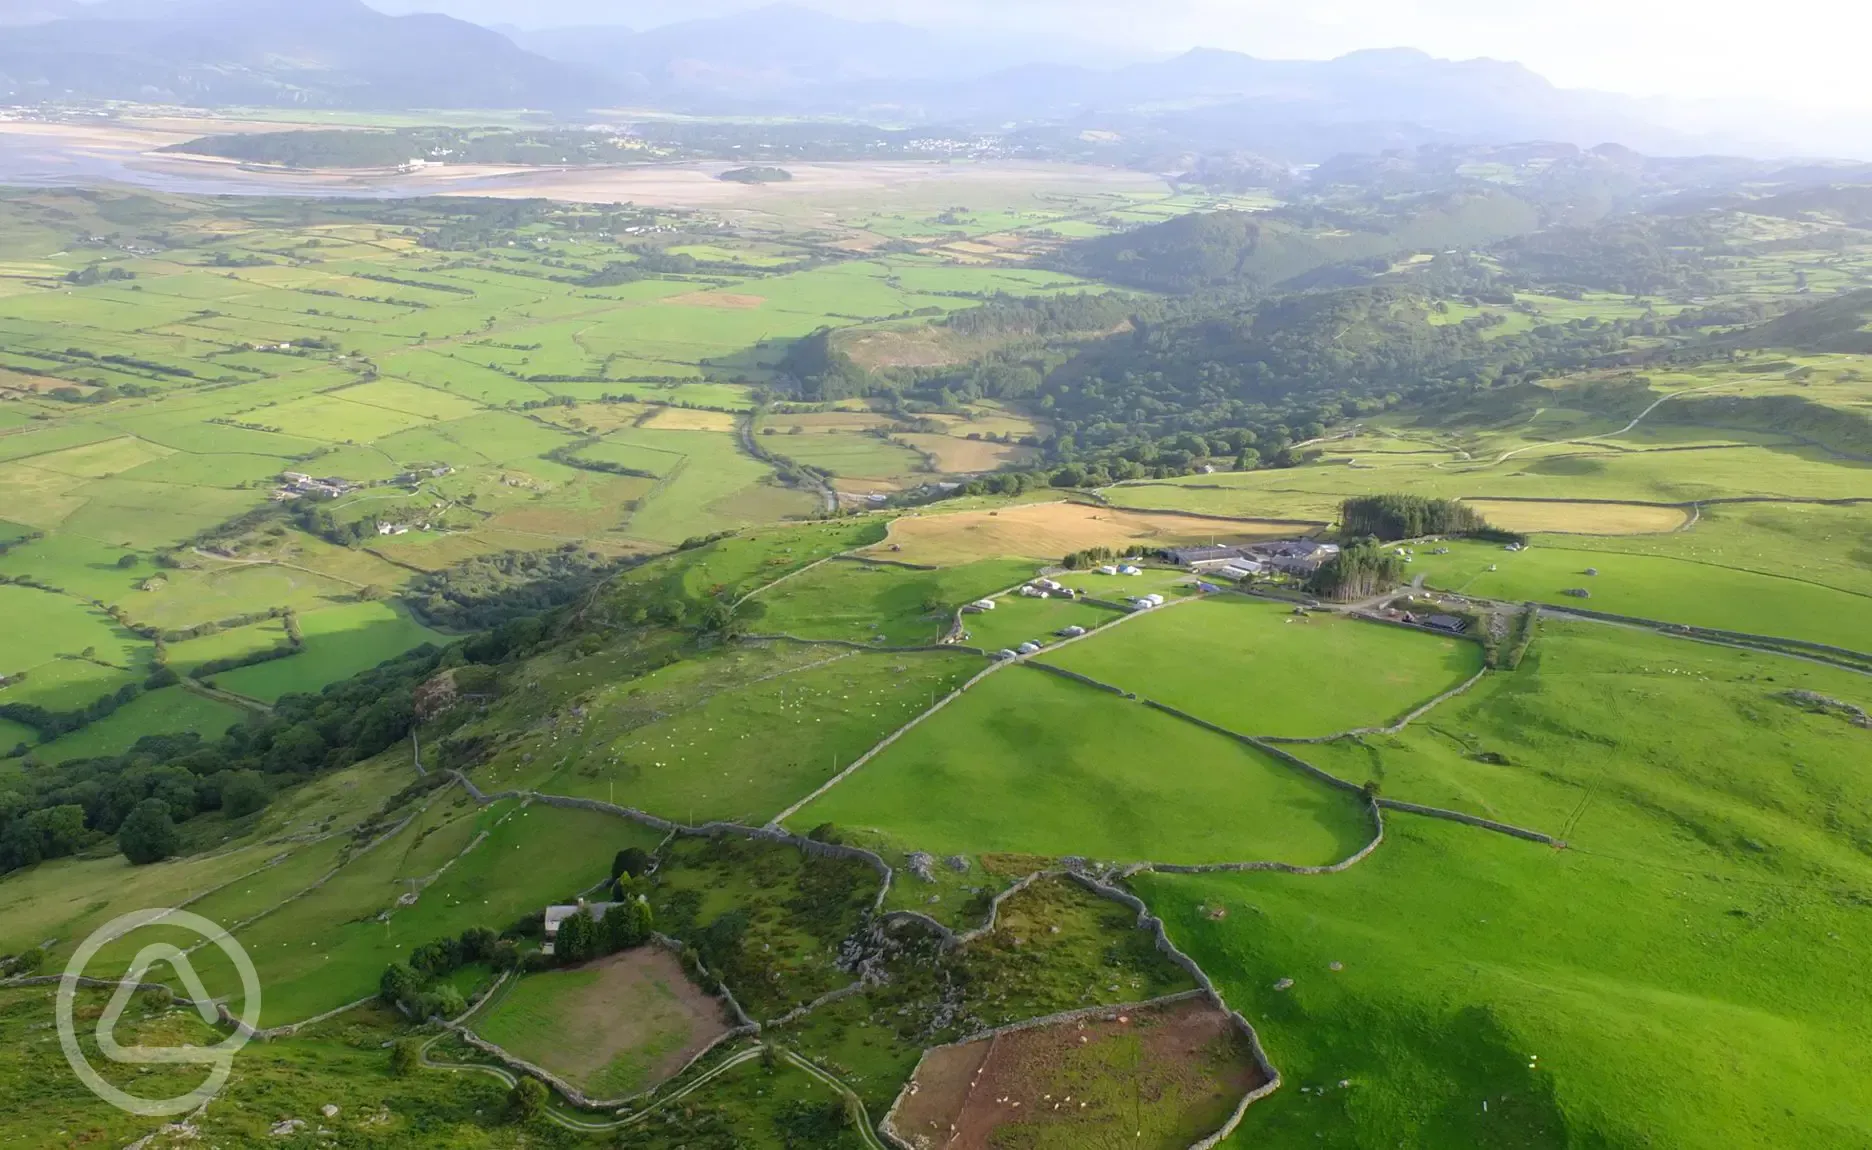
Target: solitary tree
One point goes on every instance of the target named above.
(148, 835)
(404, 1056)
(632, 861)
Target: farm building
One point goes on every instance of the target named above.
(1296, 556)
(1451, 623)
(1238, 570)
(558, 914)
(1028, 648)
(1196, 556)
(1072, 632)
(981, 605)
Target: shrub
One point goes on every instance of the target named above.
(526, 1100)
(405, 1056)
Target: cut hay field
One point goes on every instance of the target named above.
(1255, 667)
(1116, 780)
(1656, 587)
(959, 456)
(1050, 531)
(1581, 518)
(614, 1027)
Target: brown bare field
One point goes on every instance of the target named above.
(957, 456)
(688, 419)
(616, 1026)
(1051, 530)
(1581, 518)
(719, 299)
(1164, 1076)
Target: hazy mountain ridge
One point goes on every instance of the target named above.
(296, 52)
(786, 60)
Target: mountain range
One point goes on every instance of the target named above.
(788, 60)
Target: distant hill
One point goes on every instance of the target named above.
(778, 52)
(1841, 324)
(320, 53)
(1263, 249)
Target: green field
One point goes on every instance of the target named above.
(1017, 619)
(1588, 999)
(1691, 725)
(171, 710)
(1655, 587)
(340, 641)
(745, 742)
(1256, 667)
(1028, 762)
(862, 601)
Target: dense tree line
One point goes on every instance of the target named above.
(1407, 517)
(56, 810)
(1360, 570)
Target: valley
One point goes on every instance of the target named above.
(1009, 651)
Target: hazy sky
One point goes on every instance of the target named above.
(1805, 52)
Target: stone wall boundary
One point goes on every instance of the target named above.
(292, 1028)
(826, 999)
(1078, 678)
(1474, 821)
(888, 740)
(744, 1028)
(1410, 717)
(952, 938)
(854, 645)
(1686, 630)
(1150, 922)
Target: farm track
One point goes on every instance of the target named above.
(1505, 456)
